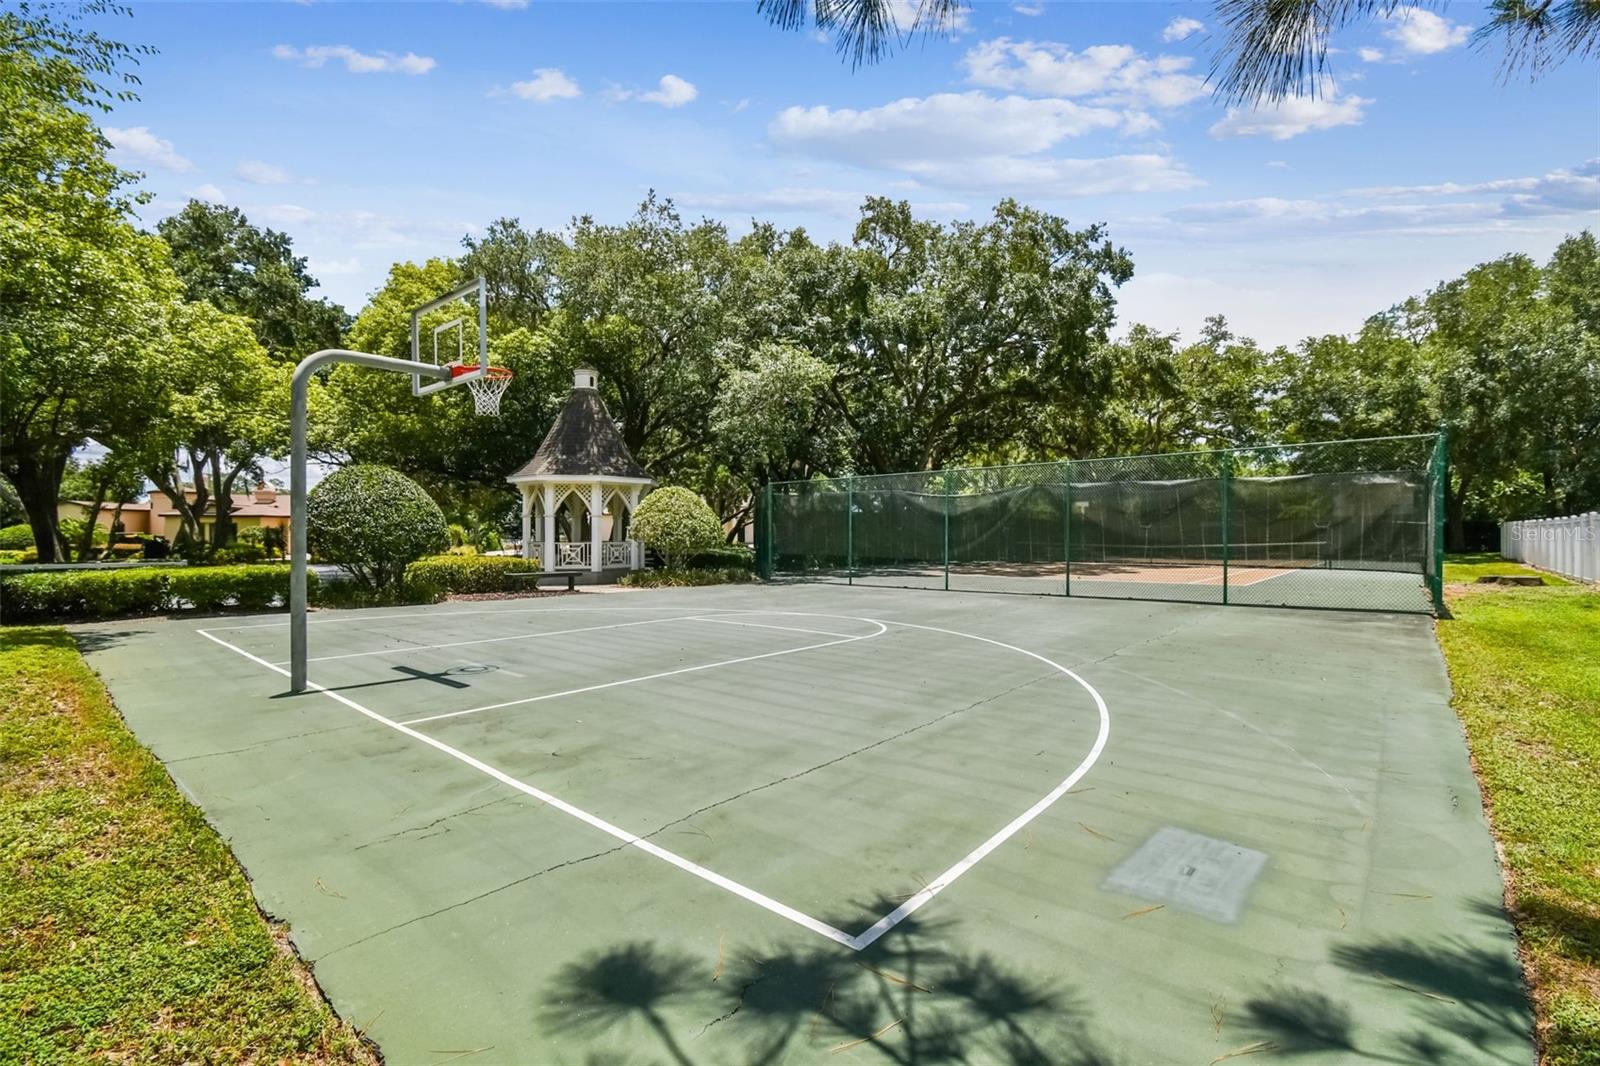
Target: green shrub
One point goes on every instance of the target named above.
(9, 558)
(373, 521)
(15, 538)
(452, 573)
(90, 594)
(677, 523)
(219, 588)
(81, 594)
(240, 551)
(723, 557)
(272, 540)
(652, 579)
(349, 594)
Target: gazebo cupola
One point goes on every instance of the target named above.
(580, 489)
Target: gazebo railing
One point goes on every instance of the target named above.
(575, 554)
(572, 554)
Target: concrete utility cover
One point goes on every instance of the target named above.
(1194, 873)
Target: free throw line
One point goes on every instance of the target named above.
(648, 677)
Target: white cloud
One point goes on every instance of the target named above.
(321, 268)
(507, 5)
(904, 13)
(1277, 164)
(946, 125)
(1422, 32)
(345, 229)
(547, 83)
(1560, 196)
(209, 193)
(1030, 10)
(1049, 177)
(1106, 73)
(258, 173)
(980, 143)
(1181, 27)
(1370, 55)
(672, 91)
(137, 146)
(354, 61)
(1293, 116)
(1559, 192)
(839, 202)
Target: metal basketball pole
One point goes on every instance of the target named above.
(299, 391)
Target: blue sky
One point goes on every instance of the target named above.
(379, 132)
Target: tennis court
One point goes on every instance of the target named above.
(1346, 525)
(817, 824)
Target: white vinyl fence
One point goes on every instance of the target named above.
(1567, 546)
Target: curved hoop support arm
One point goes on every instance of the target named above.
(299, 392)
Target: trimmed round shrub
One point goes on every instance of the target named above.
(677, 523)
(15, 538)
(373, 521)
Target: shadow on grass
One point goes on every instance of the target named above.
(905, 999)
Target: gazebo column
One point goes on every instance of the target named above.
(596, 504)
(527, 522)
(636, 561)
(547, 556)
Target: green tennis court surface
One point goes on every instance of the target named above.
(811, 823)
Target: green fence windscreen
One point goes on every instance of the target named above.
(1344, 524)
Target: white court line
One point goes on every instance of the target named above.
(629, 839)
(341, 616)
(882, 629)
(410, 648)
(758, 625)
(883, 925)
(976, 855)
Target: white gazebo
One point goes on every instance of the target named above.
(583, 485)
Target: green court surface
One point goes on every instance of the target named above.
(822, 824)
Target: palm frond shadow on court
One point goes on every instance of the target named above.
(906, 998)
(1453, 987)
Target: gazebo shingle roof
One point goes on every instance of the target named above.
(583, 442)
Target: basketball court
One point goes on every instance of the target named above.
(808, 823)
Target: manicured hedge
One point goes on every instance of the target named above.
(451, 574)
(655, 579)
(724, 557)
(15, 538)
(91, 594)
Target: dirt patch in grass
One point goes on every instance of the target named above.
(127, 930)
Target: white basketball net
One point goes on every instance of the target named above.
(487, 390)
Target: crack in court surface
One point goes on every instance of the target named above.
(849, 754)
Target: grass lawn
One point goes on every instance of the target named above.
(1466, 567)
(127, 930)
(1525, 667)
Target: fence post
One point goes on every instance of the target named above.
(1440, 487)
(1225, 460)
(947, 531)
(1066, 525)
(850, 530)
(764, 531)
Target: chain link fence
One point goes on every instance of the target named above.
(1342, 524)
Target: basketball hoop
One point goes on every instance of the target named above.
(486, 388)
